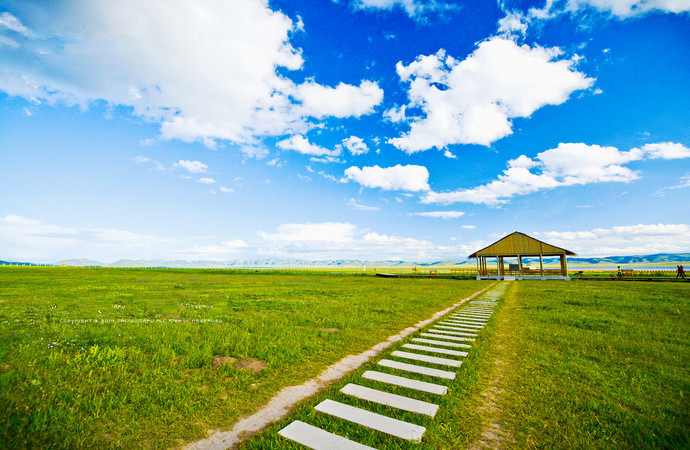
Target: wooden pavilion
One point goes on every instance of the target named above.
(519, 245)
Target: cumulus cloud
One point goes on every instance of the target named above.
(355, 145)
(439, 214)
(342, 101)
(302, 145)
(397, 178)
(192, 166)
(565, 165)
(666, 150)
(640, 239)
(473, 101)
(513, 24)
(206, 180)
(216, 76)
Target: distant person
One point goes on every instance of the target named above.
(680, 273)
(620, 272)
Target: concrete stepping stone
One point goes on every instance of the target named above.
(471, 315)
(427, 359)
(445, 336)
(464, 325)
(417, 369)
(388, 425)
(468, 319)
(395, 380)
(438, 329)
(445, 343)
(442, 351)
(476, 302)
(392, 400)
(456, 326)
(316, 438)
(459, 328)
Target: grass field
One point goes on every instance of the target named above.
(131, 358)
(596, 364)
(560, 365)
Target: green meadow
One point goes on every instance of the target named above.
(575, 364)
(156, 357)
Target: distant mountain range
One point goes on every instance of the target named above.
(660, 258)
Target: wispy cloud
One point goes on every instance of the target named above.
(439, 214)
(353, 204)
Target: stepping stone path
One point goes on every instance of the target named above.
(457, 330)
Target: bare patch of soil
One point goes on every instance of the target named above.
(251, 365)
(331, 330)
(220, 361)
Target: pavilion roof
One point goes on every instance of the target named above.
(519, 244)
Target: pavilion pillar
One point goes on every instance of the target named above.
(541, 266)
(499, 264)
(564, 266)
(520, 264)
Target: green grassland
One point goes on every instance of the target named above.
(597, 365)
(130, 357)
(559, 365)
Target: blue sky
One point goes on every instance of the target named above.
(351, 129)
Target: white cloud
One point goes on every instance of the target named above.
(514, 23)
(472, 101)
(397, 178)
(641, 239)
(226, 189)
(337, 240)
(205, 71)
(300, 144)
(192, 166)
(469, 227)
(355, 145)
(144, 160)
(630, 8)
(326, 159)
(319, 232)
(619, 9)
(10, 22)
(342, 101)
(25, 239)
(395, 114)
(226, 250)
(448, 154)
(206, 180)
(254, 151)
(353, 204)
(666, 150)
(439, 214)
(414, 8)
(567, 164)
